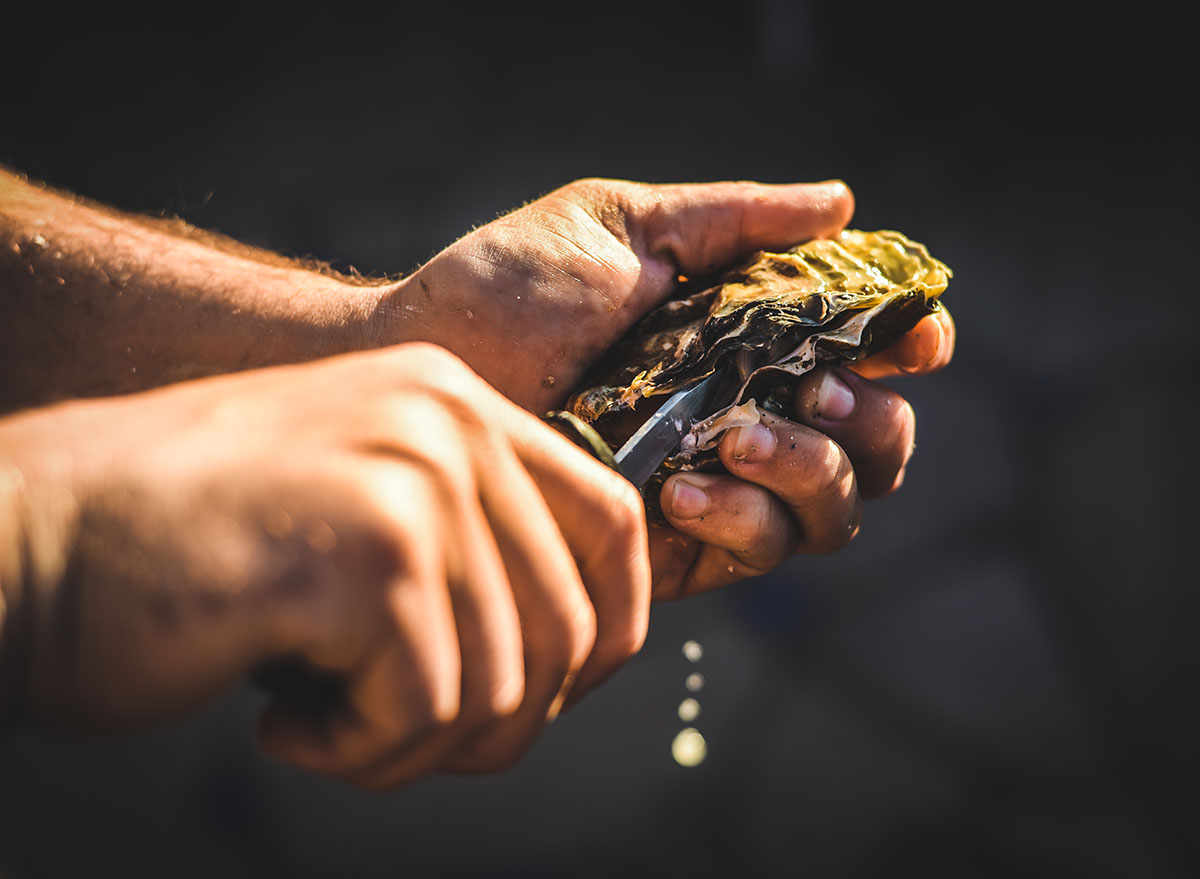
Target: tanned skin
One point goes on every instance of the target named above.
(215, 457)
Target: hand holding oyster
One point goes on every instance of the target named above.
(576, 281)
(764, 324)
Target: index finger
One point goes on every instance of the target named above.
(602, 519)
(927, 347)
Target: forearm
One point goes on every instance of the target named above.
(96, 302)
(39, 511)
(11, 588)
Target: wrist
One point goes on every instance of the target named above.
(392, 315)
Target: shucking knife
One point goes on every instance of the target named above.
(659, 437)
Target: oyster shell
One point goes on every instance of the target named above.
(770, 321)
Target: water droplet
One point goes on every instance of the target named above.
(689, 747)
(689, 710)
(694, 682)
(693, 651)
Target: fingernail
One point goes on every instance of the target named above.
(835, 401)
(753, 443)
(688, 500)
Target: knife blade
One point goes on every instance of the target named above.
(660, 435)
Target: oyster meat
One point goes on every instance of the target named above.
(763, 324)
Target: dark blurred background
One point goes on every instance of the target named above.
(995, 679)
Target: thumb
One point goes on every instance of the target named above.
(698, 228)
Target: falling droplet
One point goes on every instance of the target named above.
(694, 682)
(693, 651)
(689, 710)
(689, 747)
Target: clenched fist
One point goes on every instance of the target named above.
(387, 518)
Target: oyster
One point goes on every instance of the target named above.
(764, 325)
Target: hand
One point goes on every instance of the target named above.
(796, 486)
(792, 486)
(531, 299)
(386, 517)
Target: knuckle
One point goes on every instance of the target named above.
(445, 702)
(617, 643)
(564, 638)
(390, 538)
(844, 529)
(906, 434)
(839, 474)
(743, 190)
(431, 353)
(581, 628)
(626, 642)
(761, 522)
(588, 186)
(826, 471)
(433, 708)
(628, 512)
(505, 699)
(428, 359)
(775, 537)
(492, 704)
(439, 370)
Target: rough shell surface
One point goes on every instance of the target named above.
(770, 320)
(849, 296)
